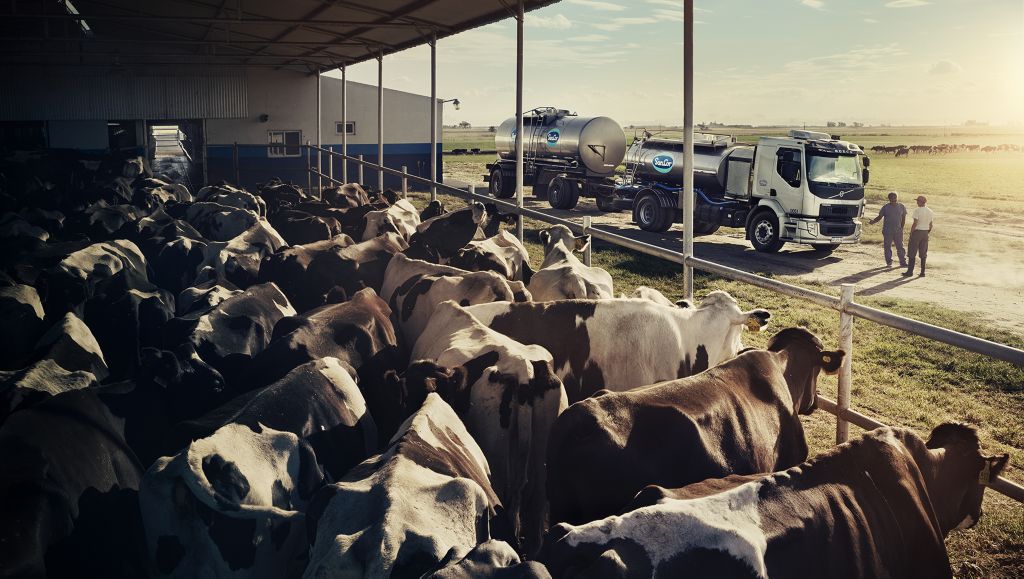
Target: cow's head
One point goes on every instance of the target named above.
(433, 209)
(721, 307)
(404, 395)
(805, 358)
(958, 484)
(552, 236)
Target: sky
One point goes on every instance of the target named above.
(788, 62)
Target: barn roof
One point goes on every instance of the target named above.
(313, 35)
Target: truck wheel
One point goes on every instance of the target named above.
(563, 193)
(501, 186)
(606, 204)
(763, 231)
(824, 249)
(704, 228)
(650, 215)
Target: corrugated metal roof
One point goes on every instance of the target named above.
(35, 95)
(314, 35)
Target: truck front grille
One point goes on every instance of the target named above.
(837, 229)
(839, 211)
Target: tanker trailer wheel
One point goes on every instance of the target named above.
(704, 228)
(650, 215)
(501, 185)
(606, 204)
(563, 193)
(763, 231)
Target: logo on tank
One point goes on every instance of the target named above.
(553, 136)
(662, 163)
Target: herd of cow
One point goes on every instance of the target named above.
(273, 385)
(904, 150)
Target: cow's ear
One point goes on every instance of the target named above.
(684, 304)
(582, 242)
(992, 468)
(545, 237)
(831, 361)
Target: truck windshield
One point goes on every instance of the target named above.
(833, 169)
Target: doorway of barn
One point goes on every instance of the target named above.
(176, 150)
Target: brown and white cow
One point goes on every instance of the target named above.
(879, 506)
(562, 275)
(625, 343)
(509, 399)
(740, 417)
(648, 293)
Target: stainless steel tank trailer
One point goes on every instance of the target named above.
(807, 187)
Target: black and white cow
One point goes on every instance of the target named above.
(218, 222)
(22, 313)
(299, 227)
(347, 196)
(622, 344)
(230, 196)
(233, 332)
(562, 275)
(401, 218)
(509, 400)
(502, 254)
(230, 504)
(879, 506)
(739, 417)
(443, 236)
(490, 560)
(425, 500)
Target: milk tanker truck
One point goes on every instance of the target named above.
(807, 187)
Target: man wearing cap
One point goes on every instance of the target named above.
(924, 224)
(895, 215)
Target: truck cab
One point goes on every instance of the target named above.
(809, 188)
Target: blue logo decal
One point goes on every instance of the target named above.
(514, 131)
(553, 136)
(662, 163)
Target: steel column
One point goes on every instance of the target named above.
(846, 371)
(405, 181)
(686, 197)
(309, 165)
(319, 142)
(380, 121)
(344, 125)
(360, 171)
(520, 17)
(433, 115)
(206, 157)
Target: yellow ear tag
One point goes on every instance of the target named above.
(985, 476)
(753, 325)
(826, 359)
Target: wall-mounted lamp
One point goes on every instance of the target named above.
(453, 101)
(264, 117)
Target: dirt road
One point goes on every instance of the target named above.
(988, 284)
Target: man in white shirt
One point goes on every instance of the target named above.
(924, 224)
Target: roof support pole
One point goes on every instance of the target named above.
(344, 125)
(433, 116)
(380, 120)
(686, 197)
(319, 142)
(520, 13)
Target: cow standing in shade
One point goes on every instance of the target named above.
(625, 343)
(880, 506)
(740, 417)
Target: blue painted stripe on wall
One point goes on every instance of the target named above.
(245, 150)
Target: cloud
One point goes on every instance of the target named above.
(588, 38)
(597, 5)
(555, 21)
(906, 3)
(618, 23)
(816, 4)
(672, 15)
(945, 67)
(870, 21)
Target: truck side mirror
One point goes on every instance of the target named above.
(867, 161)
(867, 175)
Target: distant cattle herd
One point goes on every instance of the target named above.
(269, 383)
(905, 150)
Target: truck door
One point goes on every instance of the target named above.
(786, 181)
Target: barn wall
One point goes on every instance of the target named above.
(89, 136)
(288, 98)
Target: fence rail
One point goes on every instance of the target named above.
(846, 306)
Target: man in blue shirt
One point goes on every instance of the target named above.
(895, 215)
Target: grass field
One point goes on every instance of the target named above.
(899, 379)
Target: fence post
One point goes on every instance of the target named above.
(586, 231)
(360, 171)
(472, 191)
(846, 371)
(309, 169)
(234, 162)
(405, 181)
